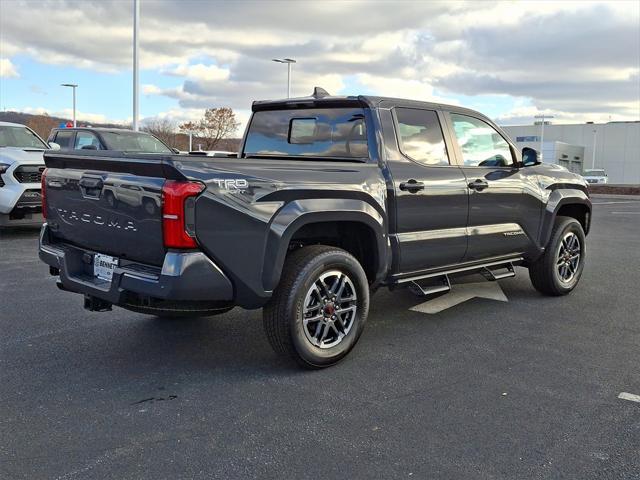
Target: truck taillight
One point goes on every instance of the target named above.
(178, 207)
(43, 192)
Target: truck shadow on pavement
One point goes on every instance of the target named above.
(236, 340)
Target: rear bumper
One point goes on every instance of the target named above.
(185, 278)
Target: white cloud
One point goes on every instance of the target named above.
(566, 56)
(8, 69)
(199, 71)
(84, 117)
(178, 115)
(150, 89)
(397, 87)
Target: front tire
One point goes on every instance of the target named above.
(319, 308)
(558, 270)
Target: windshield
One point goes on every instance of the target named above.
(594, 172)
(134, 142)
(20, 137)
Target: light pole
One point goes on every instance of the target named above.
(593, 158)
(288, 61)
(543, 116)
(136, 25)
(73, 87)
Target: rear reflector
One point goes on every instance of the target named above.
(43, 192)
(178, 206)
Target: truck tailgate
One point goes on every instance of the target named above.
(105, 205)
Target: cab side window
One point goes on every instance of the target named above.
(86, 141)
(420, 136)
(480, 143)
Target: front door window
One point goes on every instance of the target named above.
(480, 143)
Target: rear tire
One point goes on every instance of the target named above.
(319, 309)
(558, 270)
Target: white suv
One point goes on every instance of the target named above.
(21, 167)
(595, 175)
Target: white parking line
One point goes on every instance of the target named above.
(629, 396)
(613, 203)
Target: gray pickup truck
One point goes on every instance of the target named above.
(329, 198)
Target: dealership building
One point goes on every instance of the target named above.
(617, 146)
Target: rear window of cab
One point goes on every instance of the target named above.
(338, 133)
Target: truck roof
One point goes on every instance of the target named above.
(321, 99)
(98, 129)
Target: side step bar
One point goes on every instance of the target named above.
(425, 290)
(439, 282)
(492, 275)
(476, 268)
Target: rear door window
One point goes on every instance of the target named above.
(318, 132)
(64, 138)
(420, 136)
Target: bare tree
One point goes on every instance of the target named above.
(164, 129)
(42, 124)
(216, 125)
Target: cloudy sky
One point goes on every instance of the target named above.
(577, 60)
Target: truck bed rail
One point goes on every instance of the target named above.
(147, 165)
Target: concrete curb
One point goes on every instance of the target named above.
(610, 195)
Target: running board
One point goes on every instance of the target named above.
(492, 276)
(468, 269)
(426, 290)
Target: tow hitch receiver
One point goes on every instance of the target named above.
(94, 304)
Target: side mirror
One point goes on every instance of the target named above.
(530, 157)
(54, 146)
(89, 147)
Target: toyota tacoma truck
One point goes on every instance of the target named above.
(328, 199)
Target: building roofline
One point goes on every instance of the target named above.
(546, 125)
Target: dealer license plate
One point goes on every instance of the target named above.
(104, 265)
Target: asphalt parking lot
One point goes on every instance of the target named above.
(485, 389)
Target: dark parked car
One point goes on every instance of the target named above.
(329, 198)
(118, 139)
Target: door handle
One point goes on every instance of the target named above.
(478, 185)
(412, 186)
